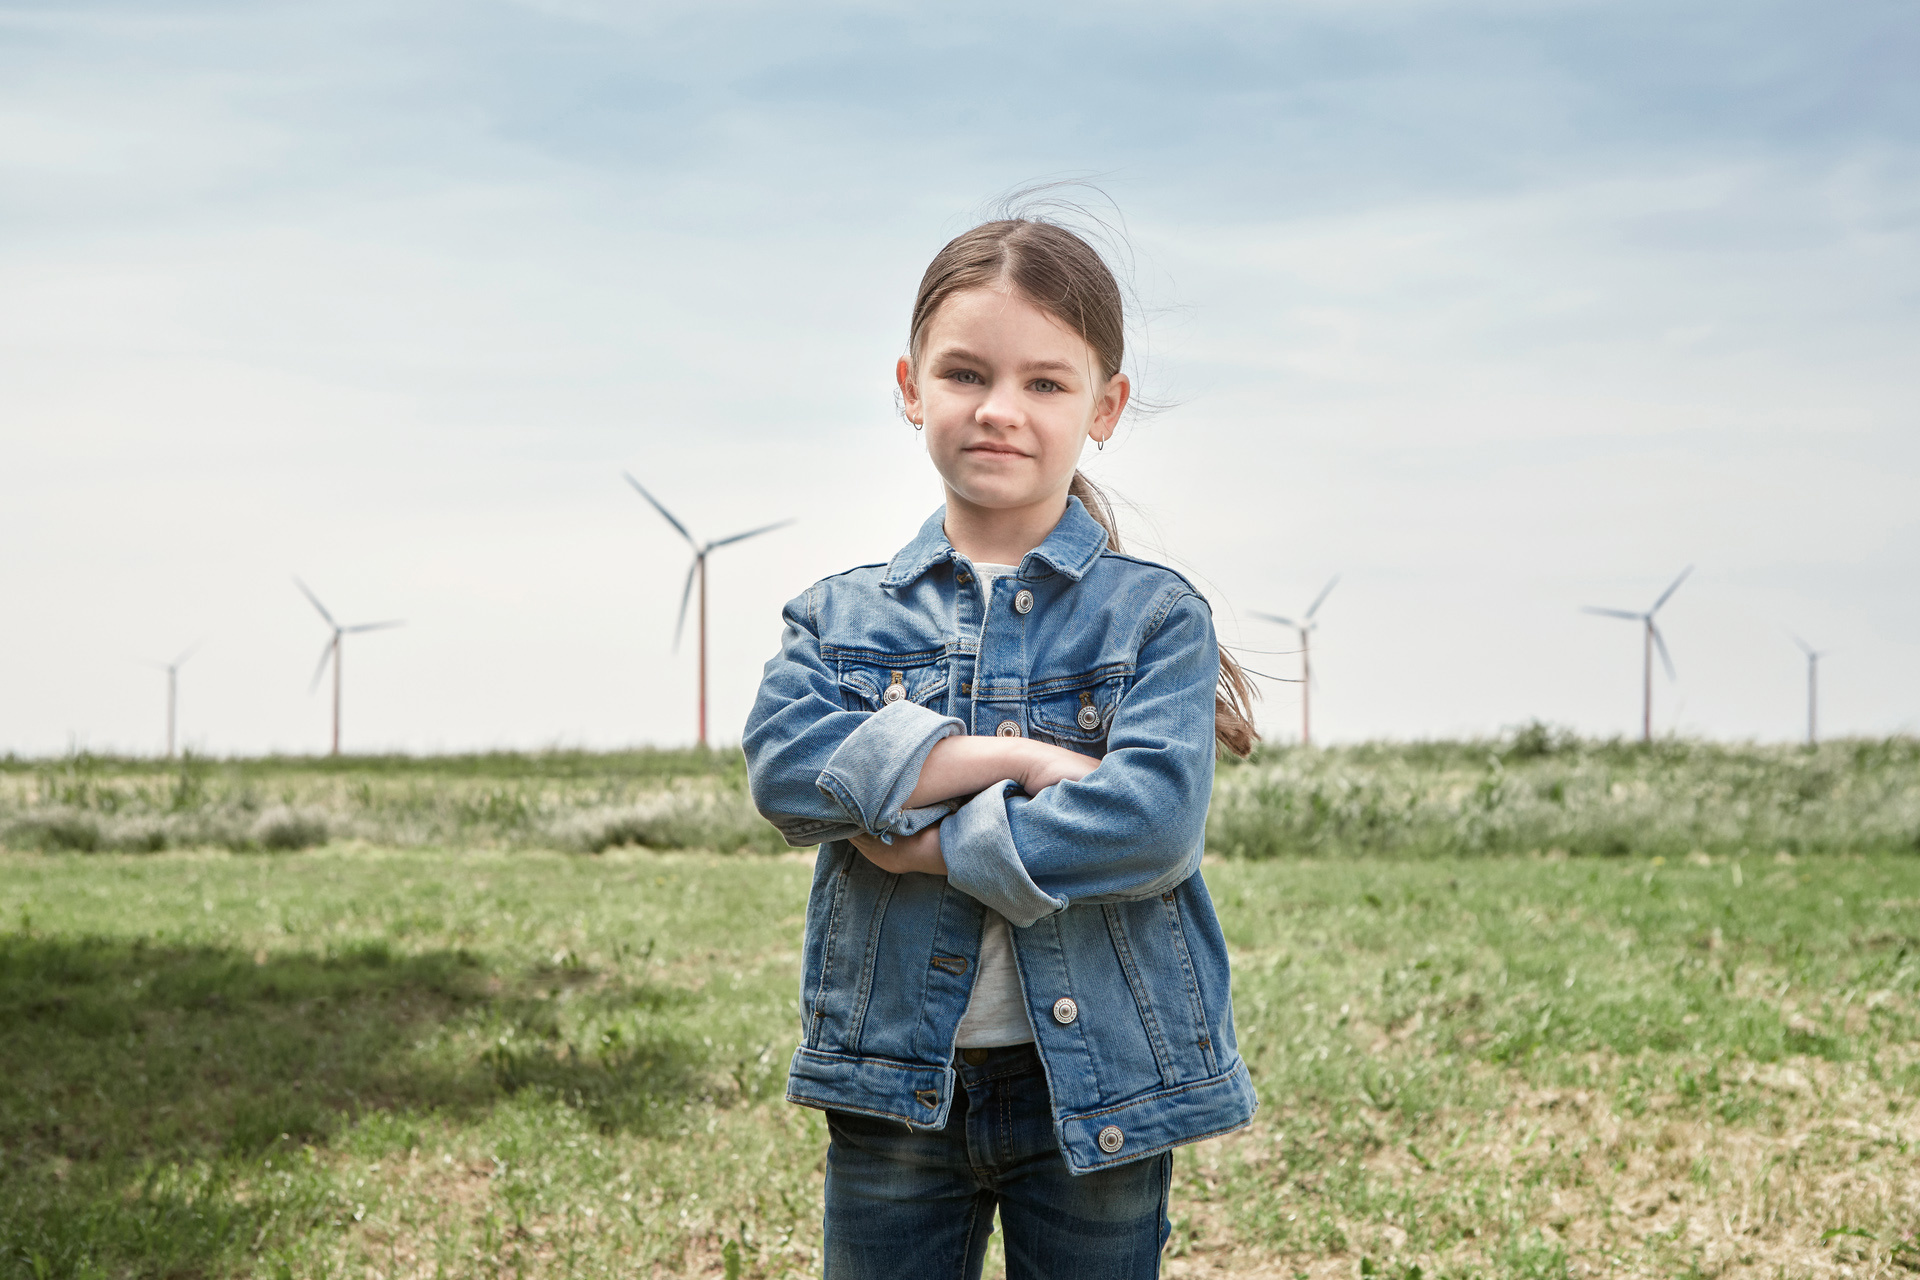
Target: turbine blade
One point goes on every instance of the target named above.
(1614, 613)
(1669, 591)
(1322, 597)
(751, 533)
(316, 602)
(1274, 617)
(655, 502)
(1661, 644)
(375, 626)
(325, 654)
(186, 653)
(686, 594)
(1804, 646)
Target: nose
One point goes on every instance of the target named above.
(1000, 408)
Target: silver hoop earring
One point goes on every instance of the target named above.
(918, 425)
(1099, 446)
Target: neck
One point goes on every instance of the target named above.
(987, 535)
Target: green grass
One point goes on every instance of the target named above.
(361, 1061)
(571, 800)
(1535, 790)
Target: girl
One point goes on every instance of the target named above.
(1014, 991)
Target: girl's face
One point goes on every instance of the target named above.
(1008, 395)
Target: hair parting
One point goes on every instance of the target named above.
(1058, 271)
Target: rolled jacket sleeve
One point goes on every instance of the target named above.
(1134, 827)
(982, 862)
(876, 768)
(818, 771)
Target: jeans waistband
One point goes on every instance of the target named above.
(991, 1064)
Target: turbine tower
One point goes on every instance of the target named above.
(332, 653)
(698, 570)
(173, 688)
(1305, 627)
(1813, 688)
(1653, 640)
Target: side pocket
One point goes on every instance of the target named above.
(1201, 1038)
(817, 1001)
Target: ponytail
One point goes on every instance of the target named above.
(1233, 696)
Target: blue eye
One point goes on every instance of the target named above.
(1046, 384)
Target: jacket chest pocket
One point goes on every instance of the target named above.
(1076, 713)
(870, 684)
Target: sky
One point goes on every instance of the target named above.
(1497, 310)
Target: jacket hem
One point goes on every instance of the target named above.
(1157, 1122)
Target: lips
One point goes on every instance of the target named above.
(994, 451)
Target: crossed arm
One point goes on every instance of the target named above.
(963, 766)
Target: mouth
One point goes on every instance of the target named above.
(991, 450)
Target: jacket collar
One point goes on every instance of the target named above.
(1075, 543)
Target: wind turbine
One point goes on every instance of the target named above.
(1305, 627)
(173, 688)
(332, 653)
(1653, 640)
(698, 569)
(1813, 688)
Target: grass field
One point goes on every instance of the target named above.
(364, 1061)
(1534, 790)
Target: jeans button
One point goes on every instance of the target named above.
(1065, 1010)
(1008, 728)
(1111, 1139)
(1023, 601)
(973, 1057)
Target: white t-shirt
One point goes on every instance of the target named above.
(997, 1011)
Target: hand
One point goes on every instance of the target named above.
(1044, 764)
(919, 852)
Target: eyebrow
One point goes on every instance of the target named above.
(1037, 366)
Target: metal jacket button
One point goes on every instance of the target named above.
(1008, 729)
(1111, 1139)
(1065, 1010)
(894, 693)
(1089, 718)
(1023, 601)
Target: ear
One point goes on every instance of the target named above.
(909, 393)
(1109, 405)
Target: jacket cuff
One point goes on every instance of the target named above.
(982, 862)
(873, 771)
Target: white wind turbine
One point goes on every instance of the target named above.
(698, 569)
(1653, 640)
(1813, 688)
(1306, 627)
(332, 653)
(173, 688)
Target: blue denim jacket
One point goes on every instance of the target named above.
(1120, 955)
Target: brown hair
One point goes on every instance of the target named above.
(1066, 277)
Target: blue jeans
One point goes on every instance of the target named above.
(920, 1202)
